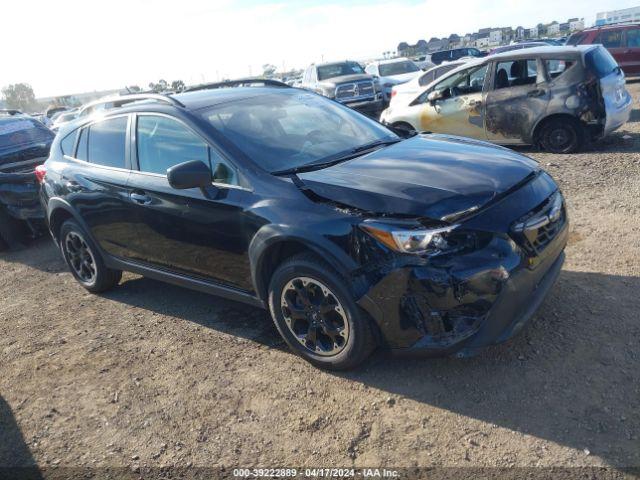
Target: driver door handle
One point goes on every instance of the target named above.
(140, 198)
(536, 93)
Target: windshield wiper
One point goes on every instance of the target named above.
(353, 153)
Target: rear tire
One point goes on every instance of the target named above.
(328, 329)
(561, 135)
(84, 260)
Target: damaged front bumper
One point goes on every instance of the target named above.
(463, 304)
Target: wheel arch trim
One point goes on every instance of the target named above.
(271, 236)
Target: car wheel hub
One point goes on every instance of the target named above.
(314, 316)
(80, 257)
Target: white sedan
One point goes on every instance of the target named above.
(393, 72)
(401, 93)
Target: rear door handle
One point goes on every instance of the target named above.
(536, 93)
(140, 198)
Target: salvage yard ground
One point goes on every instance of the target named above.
(152, 375)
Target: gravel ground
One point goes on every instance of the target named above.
(153, 375)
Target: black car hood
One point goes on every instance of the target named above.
(432, 176)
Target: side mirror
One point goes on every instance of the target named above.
(434, 96)
(192, 174)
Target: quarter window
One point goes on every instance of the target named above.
(106, 142)
(68, 142)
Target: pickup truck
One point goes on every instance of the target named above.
(346, 82)
(24, 144)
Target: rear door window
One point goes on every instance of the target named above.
(555, 68)
(81, 154)
(107, 141)
(515, 73)
(610, 39)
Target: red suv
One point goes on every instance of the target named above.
(623, 41)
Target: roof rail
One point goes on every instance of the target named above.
(135, 97)
(120, 100)
(241, 82)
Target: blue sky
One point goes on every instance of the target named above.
(71, 46)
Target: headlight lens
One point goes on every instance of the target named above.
(411, 241)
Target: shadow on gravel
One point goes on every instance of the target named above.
(16, 460)
(571, 377)
(40, 254)
(233, 318)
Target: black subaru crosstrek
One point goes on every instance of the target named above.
(351, 236)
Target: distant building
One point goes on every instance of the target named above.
(482, 41)
(519, 33)
(495, 37)
(553, 29)
(618, 16)
(406, 50)
(531, 33)
(576, 24)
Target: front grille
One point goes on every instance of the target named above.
(355, 91)
(536, 230)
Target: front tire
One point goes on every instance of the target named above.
(317, 315)
(561, 135)
(84, 260)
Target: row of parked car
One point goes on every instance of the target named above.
(558, 98)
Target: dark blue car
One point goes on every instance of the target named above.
(352, 236)
(24, 144)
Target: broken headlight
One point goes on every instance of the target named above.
(416, 241)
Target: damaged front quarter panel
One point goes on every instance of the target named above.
(438, 302)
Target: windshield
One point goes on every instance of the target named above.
(600, 61)
(338, 70)
(285, 130)
(22, 131)
(397, 68)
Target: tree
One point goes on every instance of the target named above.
(161, 86)
(177, 85)
(268, 70)
(19, 95)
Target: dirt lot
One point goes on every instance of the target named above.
(153, 375)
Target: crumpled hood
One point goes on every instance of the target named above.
(429, 176)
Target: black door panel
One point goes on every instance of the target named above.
(191, 231)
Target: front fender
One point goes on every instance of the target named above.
(271, 235)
